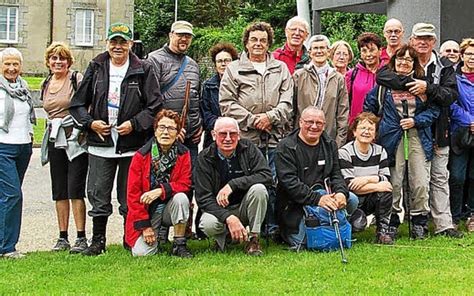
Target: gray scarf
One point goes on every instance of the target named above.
(16, 90)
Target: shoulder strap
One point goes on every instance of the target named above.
(74, 80)
(44, 85)
(353, 77)
(180, 71)
(381, 99)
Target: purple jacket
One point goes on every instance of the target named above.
(462, 111)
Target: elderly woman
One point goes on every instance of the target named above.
(158, 179)
(341, 56)
(462, 125)
(400, 112)
(320, 85)
(68, 160)
(221, 54)
(16, 132)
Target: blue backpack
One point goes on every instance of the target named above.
(320, 232)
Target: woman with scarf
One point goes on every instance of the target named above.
(16, 132)
(158, 179)
(319, 85)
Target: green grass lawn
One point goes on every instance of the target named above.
(38, 131)
(438, 266)
(33, 82)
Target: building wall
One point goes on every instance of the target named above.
(34, 28)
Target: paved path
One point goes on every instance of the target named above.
(39, 229)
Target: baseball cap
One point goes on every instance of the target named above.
(182, 27)
(119, 29)
(423, 29)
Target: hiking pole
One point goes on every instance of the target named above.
(405, 154)
(335, 223)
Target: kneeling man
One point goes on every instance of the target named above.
(364, 166)
(303, 161)
(230, 179)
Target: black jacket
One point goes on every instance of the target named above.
(441, 91)
(207, 178)
(292, 192)
(140, 100)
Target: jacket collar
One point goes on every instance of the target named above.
(245, 65)
(135, 64)
(293, 139)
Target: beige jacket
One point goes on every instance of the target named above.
(244, 93)
(335, 102)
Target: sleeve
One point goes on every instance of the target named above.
(384, 171)
(137, 211)
(82, 99)
(427, 117)
(345, 162)
(209, 118)
(460, 115)
(390, 79)
(342, 114)
(371, 103)
(338, 183)
(444, 93)
(281, 115)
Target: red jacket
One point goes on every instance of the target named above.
(138, 217)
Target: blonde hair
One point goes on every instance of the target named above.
(468, 42)
(60, 49)
(338, 44)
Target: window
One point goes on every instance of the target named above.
(8, 24)
(84, 33)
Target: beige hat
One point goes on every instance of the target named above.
(423, 29)
(182, 27)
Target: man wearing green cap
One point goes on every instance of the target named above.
(115, 104)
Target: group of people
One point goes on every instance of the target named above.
(276, 127)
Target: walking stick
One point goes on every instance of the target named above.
(335, 223)
(183, 117)
(405, 154)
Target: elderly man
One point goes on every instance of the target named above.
(364, 166)
(294, 53)
(393, 32)
(257, 91)
(304, 160)
(115, 103)
(450, 49)
(320, 85)
(230, 179)
(440, 89)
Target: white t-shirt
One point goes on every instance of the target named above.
(20, 128)
(260, 67)
(116, 76)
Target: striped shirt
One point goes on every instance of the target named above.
(356, 164)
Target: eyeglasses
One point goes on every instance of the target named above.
(366, 129)
(468, 55)
(341, 54)
(310, 123)
(224, 135)
(121, 42)
(390, 32)
(297, 30)
(424, 38)
(404, 60)
(320, 48)
(452, 50)
(184, 35)
(223, 61)
(170, 129)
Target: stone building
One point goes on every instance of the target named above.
(31, 25)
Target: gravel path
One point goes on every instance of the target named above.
(39, 229)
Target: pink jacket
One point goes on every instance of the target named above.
(363, 82)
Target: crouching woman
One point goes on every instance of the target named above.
(159, 177)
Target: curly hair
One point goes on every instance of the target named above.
(223, 46)
(258, 26)
(60, 49)
(419, 72)
(369, 116)
(468, 42)
(366, 38)
(169, 114)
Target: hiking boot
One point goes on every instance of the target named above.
(383, 236)
(180, 249)
(97, 246)
(62, 244)
(13, 255)
(79, 246)
(470, 224)
(253, 247)
(451, 232)
(418, 232)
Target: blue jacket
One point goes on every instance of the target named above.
(390, 133)
(210, 106)
(462, 111)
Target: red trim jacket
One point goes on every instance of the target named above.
(138, 217)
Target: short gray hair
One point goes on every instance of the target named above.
(298, 20)
(318, 38)
(11, 51)
(222, 120)
(315, 109)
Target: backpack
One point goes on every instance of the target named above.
(48, 79)
(381, 90)
(320, 232)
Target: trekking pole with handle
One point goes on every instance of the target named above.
(405, 154)
(335, 223)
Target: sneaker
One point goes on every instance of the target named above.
(61, 245)
(418, 232)
(14, 255)
(180, 249)
(253, 247)
(97, 246)
(470, 224)
(451, 232)
(79, 246)
(383, 237)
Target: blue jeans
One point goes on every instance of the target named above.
(297, 239)
(14, 160)
(460, 166)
